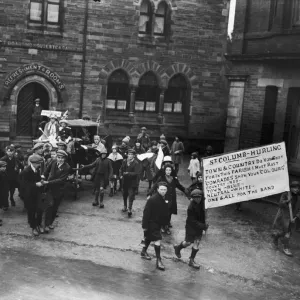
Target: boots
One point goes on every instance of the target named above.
(144, 254)
(177, 249)
(286, 247)
(101, 200)
(96, 201)
(111, 192)
(159, 264)
(192, 261)
(130, 209)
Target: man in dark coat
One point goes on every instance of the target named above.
(129, 173)
(4, 186)
(36, 117)
(177, 150)
(103, 173)
(13, 168)
(144, 138)
(31, 182)
(195, 224)
(55, 176)
(155, 216)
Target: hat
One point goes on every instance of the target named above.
(163, 142)
(38, 146)
(138, 141)
(196, 193)
(61, 153)
(63, 121)
(86, 117)
(18, 147)
(10, 147)
(35, 159)
(209, 148)
(198, 173)
(52, 116)
(126, 139)
(194, 154)
(162, 137)
(114, 147)
(162, 183)
(37, 100)
(132, 151)
(295, 184)
(2, 163)
(61, 143)
(143, 128)
(154, 143)
(167, 159)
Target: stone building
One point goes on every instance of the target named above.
(126, 63)
(264, 77)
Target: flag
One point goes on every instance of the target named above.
(143, 156)
(160, 158)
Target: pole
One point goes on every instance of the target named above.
(86, 15)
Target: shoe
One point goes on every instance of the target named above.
(124, 209)
(159, 264)
(5, 208)
(95, 203)
(47, 229)
(193, 264)
(101, 205)
(51, 226)
(111, 193)
(170, 225)
(145, 255)
(177, 249)
(287, 252)
(12, 201)
(129, 213)
(35, 232)
(41, 230)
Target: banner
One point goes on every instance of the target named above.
(47, 113)
(160, 158)
(143, 156)
(245, 175)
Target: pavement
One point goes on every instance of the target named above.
(94, 254)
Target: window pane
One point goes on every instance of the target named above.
(53, 13)
(161, 10)
(35, 11)
(159, 25)
(178, 107)
(168, 107)
(110, 104)
(139, 105)
(145, 7)
(121, 104)
(143, 23)
(150, 106)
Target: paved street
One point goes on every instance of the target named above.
(94, 254)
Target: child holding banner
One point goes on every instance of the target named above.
(282, 224)
(195, 224)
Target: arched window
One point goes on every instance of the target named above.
(145, 22)
(147, 94)
(160, 19)
(176, 94)
(118, 92)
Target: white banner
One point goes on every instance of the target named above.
(245, 175)
(47, 113)
(143, 156)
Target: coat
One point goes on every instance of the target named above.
(131, 179)
(57, 178)
(145, 140)
(4, 189)
(30, 192)
(171, 193)
(47, 131)
(195, 221)
(13, 168)
(177, 157)
(36, 113)
(194, 167)
(101, 167)
(116, 162)
(155, 215)
(196, 185)
(147, 165)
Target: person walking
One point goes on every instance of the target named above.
(129, 173)
(177, 150)
(194, 166)
(155, 216)
(197, 184)
(195, 225)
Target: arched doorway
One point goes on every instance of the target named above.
(25, 104)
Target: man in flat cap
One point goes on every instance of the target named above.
(32, 189)
(4, 186)
(55, 178)
(144, 138)
(13, 168)
(282, 225)
(36, 117)
(195, 225)
(155, 216)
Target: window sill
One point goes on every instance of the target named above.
(48, 30)
(153, 40)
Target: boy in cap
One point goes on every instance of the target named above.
(155, 216)
(195, 224)
(144, 138)
(282, 225)
(31, 181)
(197, 184)
(13, 167)
(4, 186)
(55, 176)
(129, 173)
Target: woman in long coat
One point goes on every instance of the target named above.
(173, 184)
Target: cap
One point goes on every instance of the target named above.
(38, 146)
(35, 159)
(163, 142)
(2, 163)
(162, 183)
(37, 100)
(194, 154)
(196, 193)
(63, 121)
(10, 147)
(126, 139)
(52, 116)
(167, 159)
(143, 128)
(61, 153)
(86, 117)
(114, 147)
(103, 151)
(209, 148)
(162, 137)
(18, 147)
(154, 143)
(295, 184)
(61, 143)
(132, 151)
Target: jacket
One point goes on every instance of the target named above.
(13, 167)
(194, 167)
(177, 157)
(4, 189)
(195, 221)
(133, 170)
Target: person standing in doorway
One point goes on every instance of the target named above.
(177, 150)
(36, 118)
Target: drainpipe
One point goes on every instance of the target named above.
(86, 16)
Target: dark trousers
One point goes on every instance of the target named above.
(34, 214)
(12, 187)
(129, 192)
(56, 204)
(176, 168)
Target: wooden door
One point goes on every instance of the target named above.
(24, 109)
